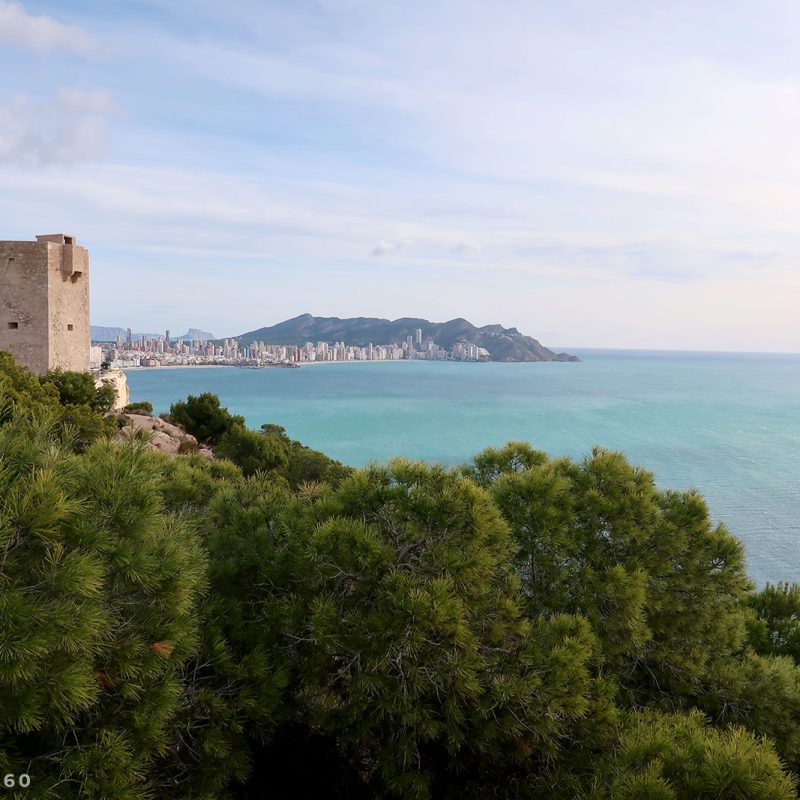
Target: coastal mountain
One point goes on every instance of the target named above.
(100, 333)
(503, 344)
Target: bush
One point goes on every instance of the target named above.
(78, 389)
(270, 450)
(204, 417)
(253, 452)
(21, 390)
(69, 399)
(306, 465)
(140, 407)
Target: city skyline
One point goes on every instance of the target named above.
(156, 350)
(615, 176)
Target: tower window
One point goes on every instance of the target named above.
(70, 327)
(12, 326)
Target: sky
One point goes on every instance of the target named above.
(616, 174)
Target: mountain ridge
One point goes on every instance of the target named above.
(503, 344)
(104, 333)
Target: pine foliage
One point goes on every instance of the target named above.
(520, 627)
(97, 614)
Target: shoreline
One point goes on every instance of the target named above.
(298, 364)
(359, 361)
(182, 366)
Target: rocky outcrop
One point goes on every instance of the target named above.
(117, 379)
(162, 436)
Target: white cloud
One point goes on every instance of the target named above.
(467, 248)
(40, 33)
(519, 93)
(581, 162)
(383, 247)
(70, 128)
(203, 236)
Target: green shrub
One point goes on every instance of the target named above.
(140, 407)
(78, 389)
(204, 417)
(70, 399)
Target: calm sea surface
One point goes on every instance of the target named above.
(727, 424)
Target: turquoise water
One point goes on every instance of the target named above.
(727, 424)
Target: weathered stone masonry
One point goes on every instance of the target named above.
(44, 303)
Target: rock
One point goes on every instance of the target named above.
(163, 436)
(117, 379)
(165, 443)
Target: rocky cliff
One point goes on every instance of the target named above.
(117, 379)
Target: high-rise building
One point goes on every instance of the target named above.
(419, 338)
(44, 303)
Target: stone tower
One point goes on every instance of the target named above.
(44, 303)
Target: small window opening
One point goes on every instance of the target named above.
(69, 240)
(70, 327)
(12, 326)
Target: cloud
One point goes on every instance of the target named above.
(70, 128)
(467, 248)
(383, 248)
(40, 33)
(547, 152)
(645, 104)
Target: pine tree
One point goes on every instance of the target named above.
(97, 614)
(662, 588)
(390, 607)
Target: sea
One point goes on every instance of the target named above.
(727, 424)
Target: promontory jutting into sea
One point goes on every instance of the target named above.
(307, 340)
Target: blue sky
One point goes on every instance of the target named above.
(596, 174)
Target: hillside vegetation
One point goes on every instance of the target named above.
(284, 626)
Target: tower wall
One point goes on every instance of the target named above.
(44, 303)
(68, 299)
(24, 302)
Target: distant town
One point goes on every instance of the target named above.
(165, 351)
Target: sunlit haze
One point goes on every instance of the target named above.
(619, 174)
